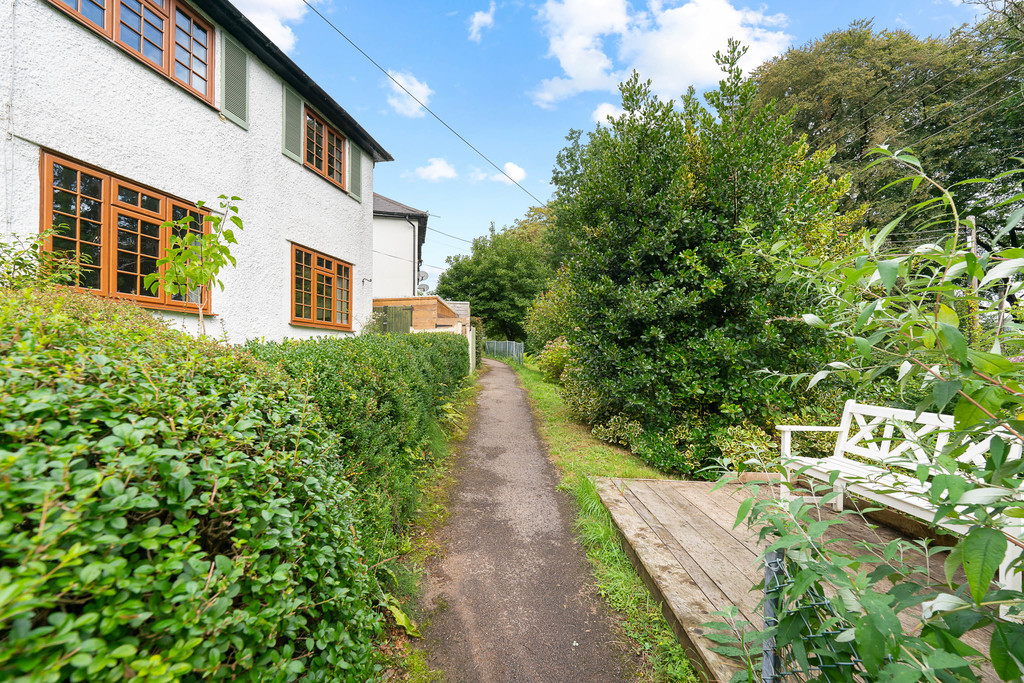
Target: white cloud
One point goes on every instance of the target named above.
(598, 42)
(436, 170)
(516, 173)
(476, 175)
(479, 21)
(273, 16)
(400, 100)
(605, 110)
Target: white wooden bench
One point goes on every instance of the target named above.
(901, 439)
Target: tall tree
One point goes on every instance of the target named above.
(502, 276)
(953, 100)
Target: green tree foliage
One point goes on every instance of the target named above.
(956, 100)
(668, 318)
(548, 316)
(501, 278)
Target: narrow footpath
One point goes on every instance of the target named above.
(510, 598)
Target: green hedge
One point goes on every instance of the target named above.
(173, 509)
(382, 395)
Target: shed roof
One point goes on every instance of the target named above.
(254, 40)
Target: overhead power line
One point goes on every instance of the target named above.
(447, 235)
(425, 107)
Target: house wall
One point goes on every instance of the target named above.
(72, 92)
(394, 253)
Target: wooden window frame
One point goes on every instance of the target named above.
(166, 9)
(295, 275)
(112, 207)
(328, 131)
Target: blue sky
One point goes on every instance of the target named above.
(513, 77)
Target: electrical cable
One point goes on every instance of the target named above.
(425, 107)
(447, 235)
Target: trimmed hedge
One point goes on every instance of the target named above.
(173, 509)
(382, 396)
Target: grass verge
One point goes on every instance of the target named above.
(402, 661)
(579, 456)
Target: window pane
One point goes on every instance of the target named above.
(64, 202)
(150, 246)
(150, 203)
(127, 195)
(65, 177)
(93, 10)
(90, 254)
(90, 232)
(65, 225)
(89, 278)
(65, 246)
(127, 262)
(127, 284)
(127, 240)
(182, 73)
(92, 186)
(89, 208)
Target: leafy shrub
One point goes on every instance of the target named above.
(380, 394)
(668, 312)
(547, 319)
(170, 508)
(552, 359)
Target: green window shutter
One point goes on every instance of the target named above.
(355, 173)
(291, 143)
(236, 83)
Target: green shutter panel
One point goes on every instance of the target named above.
(291, 144)
(236, 83)
(355, 173)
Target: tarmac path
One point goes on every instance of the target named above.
(511, 598)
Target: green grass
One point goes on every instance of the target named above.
(402, 661)
(580, 456)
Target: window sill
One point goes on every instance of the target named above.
(320, 326)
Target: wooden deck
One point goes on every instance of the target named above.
(680, 536)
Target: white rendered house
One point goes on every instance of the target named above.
(398, 235)
(120, 114)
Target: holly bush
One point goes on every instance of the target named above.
(171, 509)
(667, 316)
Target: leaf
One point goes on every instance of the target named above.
(1007, 650)
(813, 320)
(865, 315)
(818, 376)
(744, 510)
(884, 233)
(983, 551)
(401, 618)
(888, 271)
(943, 392)
(947, 315)
(1002, 270)
(954, 340)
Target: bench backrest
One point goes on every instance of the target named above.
(893, 436)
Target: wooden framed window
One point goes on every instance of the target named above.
(114, 228)
(166, 35)
(324, 150)
(321, 290)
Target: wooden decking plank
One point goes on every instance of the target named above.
(714, 521)
(683, 603)
(707, 584)
(727, 504)
(710, 548)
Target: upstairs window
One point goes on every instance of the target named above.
(321, 290)
(114, 229)
(166, 35)
(324, 150)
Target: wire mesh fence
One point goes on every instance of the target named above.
(505, 349)
(821, 650)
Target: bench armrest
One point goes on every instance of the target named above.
(786, 447)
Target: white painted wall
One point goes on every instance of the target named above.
(394, 245)
(69, 90)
